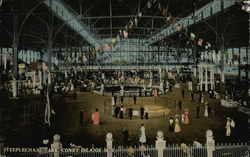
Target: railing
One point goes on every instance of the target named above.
(191, 152)
(152, 152)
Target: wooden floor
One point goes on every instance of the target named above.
(68, 126)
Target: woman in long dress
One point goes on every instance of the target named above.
(171, 124)
(202, 98)
(113, 101)
(96, 117)
(186, 121)
(177, 127)
(228, 127)
(182, 118)
(121, 112)
(113, 110)
(142, 134)
(206, 111)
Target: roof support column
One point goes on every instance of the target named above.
(15, 39)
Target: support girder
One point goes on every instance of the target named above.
(72, 19)
(206, 11)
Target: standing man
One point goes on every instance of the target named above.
(130, 113)
(180, 105)
(81, 115)
(140, 92)
(209, 110)
(135, 100)
(142, 134)
(200, 97)
(115, 99)
(142, 112)
(125, 136)
(211, 94)
(121, 112)
(192, 96)
(197, 110)
(183, 93)
(117, 110)
(122, 99)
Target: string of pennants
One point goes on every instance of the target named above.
(133, 23)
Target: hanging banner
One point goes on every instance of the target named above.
(33, 66)
(200, 41)
(107, 47)
(21, 65)
(85, 58)
(192, 36)
(114, 41)
(125, 34)
(235, 57)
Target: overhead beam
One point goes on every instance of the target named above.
(201, 14)
(72, 19)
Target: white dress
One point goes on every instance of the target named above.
(182, 118)
(202, 98)
(112, 101)
(206, 111)
(228, 128)
(142, 135)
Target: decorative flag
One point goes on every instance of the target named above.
(159, 6)
(131, 22)
(178, 27)
(173, 20)
(66, 62)
(200, 41)
(114, 41)
(80, 52)
(130, 26)
(192, 36)
(226, 54)
(126, 27)
(235, 57)
(149, 4)
(120, 32)
(209, 45)
(168, 18)
(164, 11)
(125, 34)
(93, 53)
(100, 49)
(85, 58)
(136, 22)
(107, 47)
(140, 14)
